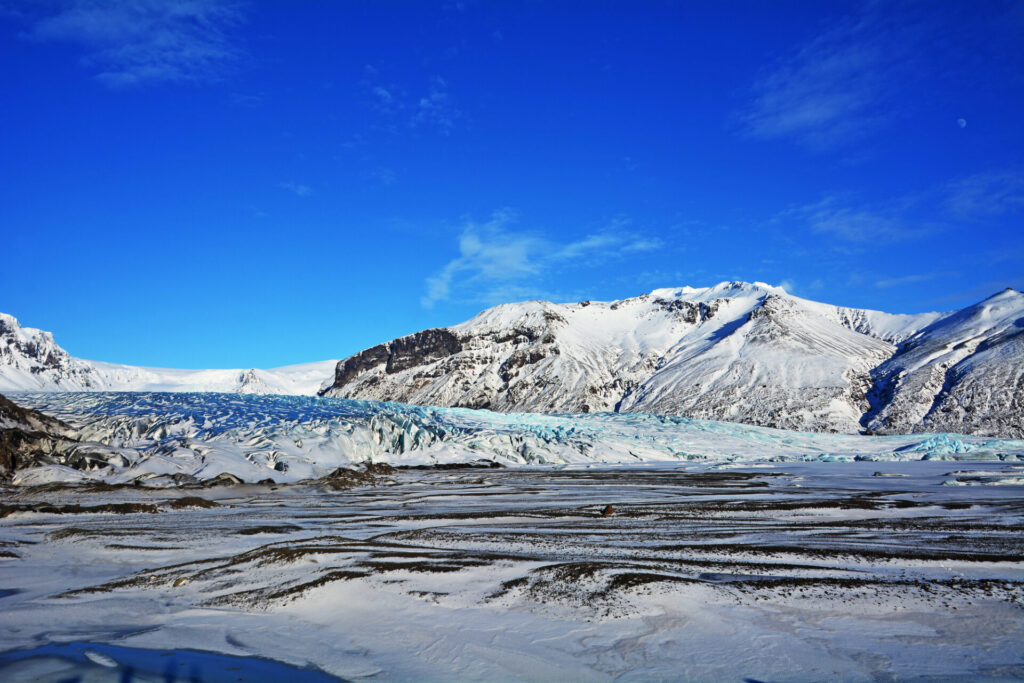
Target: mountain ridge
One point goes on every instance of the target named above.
(30, 360)
(736, 351)
(743, 352)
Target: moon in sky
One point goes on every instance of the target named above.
(962, 123)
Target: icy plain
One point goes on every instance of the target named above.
(781, 571)
(729, 552)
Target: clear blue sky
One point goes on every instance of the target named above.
(221, 184)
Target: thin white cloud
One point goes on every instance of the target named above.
(821, 99)
(384, 175)
(860, 225)
(386, 99)
(941, 208)
(906, 280)
(402, 108)
(437, 108)
(131, 42)
(852, 78)
(497, 263)
(838, 85)
(986, 194)
(298, 189)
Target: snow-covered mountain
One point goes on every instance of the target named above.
(963, 372)
(737, 351)
(30, 360)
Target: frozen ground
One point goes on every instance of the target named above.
(791, 571)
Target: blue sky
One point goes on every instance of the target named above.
(225, 184)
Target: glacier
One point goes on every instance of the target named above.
(160, 437)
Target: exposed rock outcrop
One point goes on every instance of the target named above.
(29, 438)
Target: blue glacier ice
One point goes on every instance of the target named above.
(286, 438)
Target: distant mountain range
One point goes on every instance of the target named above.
(737, 351)
(30, 360)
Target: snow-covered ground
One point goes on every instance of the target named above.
(289, 438)
(796, 571)
(608, 546)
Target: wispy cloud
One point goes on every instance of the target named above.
(906, 280)
(298, 189)
(864, 71)
(987, 194)
(821, 100)
(383, 95)
(498, 263)
(870, 224)
(436, 107)
(385, 98)
(131, 42)
(433, 107)
(840, 84)
(946, 208)
(791, 286)
(384, 175)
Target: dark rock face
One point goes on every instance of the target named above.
(382, 469)
(523, 357)
(352, 367)
(29, 438)
(514, 336)
(421, 348)
(344, 478)
(404, 353)
(104, 508)
(690, 311)
(32, 419)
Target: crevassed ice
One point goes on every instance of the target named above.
(287, 438)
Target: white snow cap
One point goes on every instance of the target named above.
(728, 289)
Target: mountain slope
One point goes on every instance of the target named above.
(782, 366)
(30, 360)
(742, 352)
(736, 351)
(964, 371)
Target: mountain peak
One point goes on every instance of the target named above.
(1007, 294)
(729, 289)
